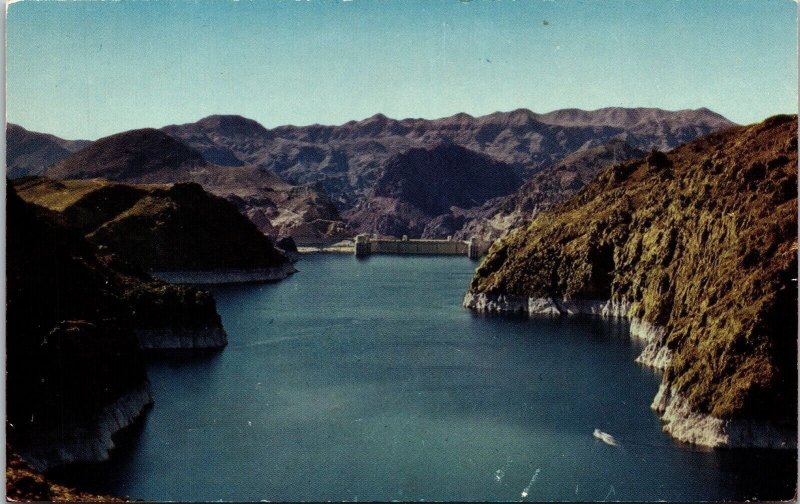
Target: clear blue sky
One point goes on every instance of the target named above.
(88, 69)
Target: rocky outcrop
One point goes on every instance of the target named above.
(686, 424)
(181, 338)
(278, 208)
(655, 354)
(698, 248)
(23, 484)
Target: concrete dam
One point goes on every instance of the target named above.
(366, 245)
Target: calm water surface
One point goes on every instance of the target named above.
(366, 380)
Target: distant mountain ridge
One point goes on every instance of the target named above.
(335, 168)
(30, 153)
(344, 158)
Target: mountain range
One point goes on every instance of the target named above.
(328, 182)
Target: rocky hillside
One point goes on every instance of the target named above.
(159, 227)
(30, 153)
(549, 186)
(151, 156)
(277, 208)
(414, 187)
(698, 247)
(76, 320)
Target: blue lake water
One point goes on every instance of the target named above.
(367, 380)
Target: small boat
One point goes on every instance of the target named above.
(605, 437)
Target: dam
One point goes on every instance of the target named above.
(366, 245)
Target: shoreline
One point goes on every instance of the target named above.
(181, 338)
(226, 276)
(326, 250)
(679, 420)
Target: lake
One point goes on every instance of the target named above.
(367, 380)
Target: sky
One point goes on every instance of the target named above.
(87, 69)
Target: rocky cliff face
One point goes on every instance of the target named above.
(698, 247)
(159, 228)
(23, 484)
(75, 371)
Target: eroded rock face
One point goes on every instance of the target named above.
(551, 185)
(701, 243)
(75, 372)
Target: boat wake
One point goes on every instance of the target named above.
(605, 437)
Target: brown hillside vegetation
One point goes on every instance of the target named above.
(701, 241)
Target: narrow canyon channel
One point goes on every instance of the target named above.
(367, 380)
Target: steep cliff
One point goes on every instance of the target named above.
(698, 247)
(160, 227)
(76, 319)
